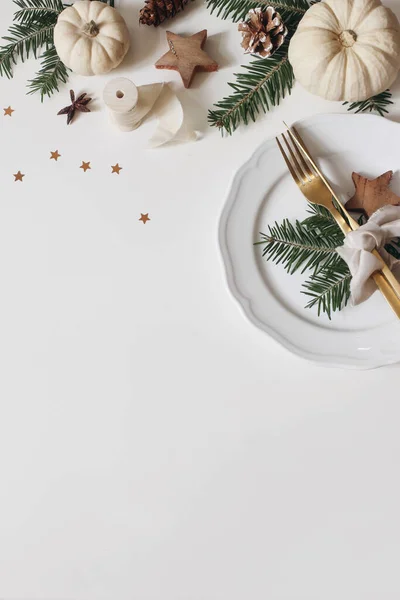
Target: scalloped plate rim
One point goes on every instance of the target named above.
(333, 361)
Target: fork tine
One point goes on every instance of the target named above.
(300, 140)
(288, 164)
(295, 136)
(306, 164)
(294, 157)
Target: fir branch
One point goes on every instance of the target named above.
(377, 104)
(37, 10)
(311, 244)
(322, 222)
(52, 72)
(23, 39)
(329, 289)
(238, 9)
(265, 82)
(263, 85)
(298, 247)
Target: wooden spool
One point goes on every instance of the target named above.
(121, 97)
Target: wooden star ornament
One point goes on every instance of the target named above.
(372, 194)
(186, 55)
(85, 166)
(144, 218)
(8, 111)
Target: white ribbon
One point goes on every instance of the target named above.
(129, 106)
(382, 226)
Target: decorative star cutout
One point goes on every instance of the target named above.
(18, 176)
(116, 169)
(186, 55)
(372, 194)
(8, 111)
(55, 155)
(144, 218)
(85, 166)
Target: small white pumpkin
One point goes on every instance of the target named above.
(346, 49)
(91, 37)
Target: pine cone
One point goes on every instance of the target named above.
(263, 31)
(155, 12)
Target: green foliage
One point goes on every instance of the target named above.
(291, 11)
(329, 289)
(378, 104)
(322, 223)
(265, 81)
(298, 246)
(311, 245)
(37, 11)
(52, 72)
(32, 33)
(23, 40)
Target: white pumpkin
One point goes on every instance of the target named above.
(346, 49)
(91, 37)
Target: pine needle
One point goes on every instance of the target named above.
(23, 40)
(265, 81)
(297, 246)
(310, 245)
(263, 85)
(238, 9)
(52, 72)
(37, 10)
(378, 104)
(329, 289)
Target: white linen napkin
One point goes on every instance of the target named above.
(382, 226)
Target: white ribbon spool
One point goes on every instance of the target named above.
(121, 97)
(128, 106)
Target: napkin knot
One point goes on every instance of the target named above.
(358, 246)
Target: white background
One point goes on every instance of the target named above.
(154, 445)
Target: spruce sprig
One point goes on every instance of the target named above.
(37, 10)
(310, 245)
(298, 246)
(238, 9)
(377, 104)
(23, 40)
(329, 289)
(263, 85)
(52, 72)
(265, 81)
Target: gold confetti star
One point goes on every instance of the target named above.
(18, 176)
(8, 111)
(116, 169)
(55, 155)
(85, 166)
(144, 218)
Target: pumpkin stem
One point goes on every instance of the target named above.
(91, 29)
(348, 38)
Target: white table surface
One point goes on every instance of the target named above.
(154, 445)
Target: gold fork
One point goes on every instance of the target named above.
(317, 192)
(294, 134)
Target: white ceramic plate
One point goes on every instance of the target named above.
(362, 337)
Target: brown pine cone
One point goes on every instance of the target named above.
(155, 12)
(263, 31)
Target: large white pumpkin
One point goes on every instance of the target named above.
(346, 49)
(91, 37)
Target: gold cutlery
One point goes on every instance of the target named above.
(317, 190)
(294, 134)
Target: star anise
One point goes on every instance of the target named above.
(79, 103)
